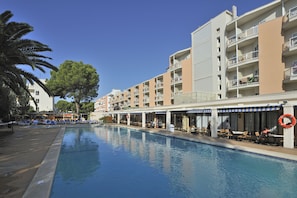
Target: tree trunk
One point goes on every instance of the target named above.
(77, 107)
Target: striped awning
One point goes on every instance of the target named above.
(160, 112)
(249, 109)
(199, 111)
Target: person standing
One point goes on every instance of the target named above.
(209, 128)
(227, 125)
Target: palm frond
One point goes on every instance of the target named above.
(5, 16)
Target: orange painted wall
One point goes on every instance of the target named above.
(140, 95)
(166, 89)
(271, 67)
(152, 93)
(132, 97)
(187, 75)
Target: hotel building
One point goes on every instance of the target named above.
(238, 68)
(43, 100)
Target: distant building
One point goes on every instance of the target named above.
(43, 100)
(103, 104)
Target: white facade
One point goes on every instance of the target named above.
(208, 51)
(43, 100)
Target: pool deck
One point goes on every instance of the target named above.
(29, 155)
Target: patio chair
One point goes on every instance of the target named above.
(244, 136)
(257, 136)
(221, 133)
(228, 133)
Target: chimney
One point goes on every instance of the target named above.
(234, 12)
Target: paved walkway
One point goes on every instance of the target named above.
(22, 153)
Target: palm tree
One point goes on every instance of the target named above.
(17, 53)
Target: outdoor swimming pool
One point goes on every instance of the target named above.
(121, 162)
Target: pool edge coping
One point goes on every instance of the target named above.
(41, 184)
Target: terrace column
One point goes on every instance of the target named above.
(288, 132)
(118, 118)
(143, 121)
(168, 119)
(214, 122)
(128, 119)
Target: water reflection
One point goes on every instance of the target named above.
(120, 162)
(79, 156)
(199, 170)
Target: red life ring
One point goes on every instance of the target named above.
(288, 125)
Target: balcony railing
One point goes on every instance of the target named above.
(243, 58)
(175, 66)
(159, 97)
(291, 73)
(292, 12)
(145, 89)
(243, 35)
(231, 40)
(248, 56)
(248, 33)
(243, 82)
(146, 100)
(177, 79)
(158, 85)
(292, 43)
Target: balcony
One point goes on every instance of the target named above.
(146, 100)
(244, 38)
(248, 33)
(290, 20)
(231, 40)
(243, 59)
(145, 89)
(159, 98)
(136, 101)
(159, 85)
(290, 47)
(250, 56)
(245, 82)
(176, 80)
(291, 73)
(175, 66)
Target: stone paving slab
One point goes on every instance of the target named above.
(21, 154)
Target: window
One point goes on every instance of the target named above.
(37, 100)
(37, 93)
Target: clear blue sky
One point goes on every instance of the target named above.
(127, 41)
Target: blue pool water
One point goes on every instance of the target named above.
(119, 162)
